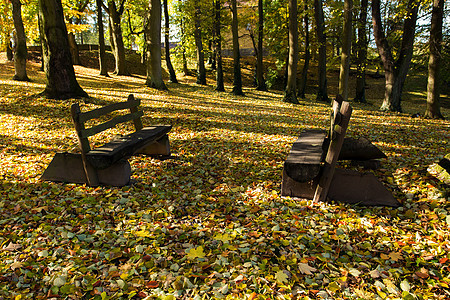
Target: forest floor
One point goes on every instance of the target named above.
(209, 222)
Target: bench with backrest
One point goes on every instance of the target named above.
(310, 168)
(108, 164)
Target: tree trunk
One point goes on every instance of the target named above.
(322, 94)
(153, 35)
(290, 91)
(201, 71)
(61, 80)
(361, 56)
(117, 38)
(433, 106)
(9, 51)
(75, 53)
(20, 55)
(346, 49)
(395, 71)
(237, 80)
(304, 75)
(172, 75)
(260, 81)
(183, 47)
(219, 72)
(101, 40)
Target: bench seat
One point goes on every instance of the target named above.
(125, 146)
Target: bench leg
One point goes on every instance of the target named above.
(160, 147)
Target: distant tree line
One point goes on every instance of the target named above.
(294, 32)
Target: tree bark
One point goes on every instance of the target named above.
(153, 35)
(346, 49)
(61, 80)
(20, 55)
(260, 81)
(237, 80)
(218, 44)
(322, 94)
(201, 71)
(290, 91)
(361, 55)
(101, 40)
(304, 75)
(395, 71)
(433, 109)
(115, 14)
(172, 75)
(74, 51)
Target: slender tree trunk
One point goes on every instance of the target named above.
(201, 71)
(322, 94)
(20, 55)
(117, 38)
(260, 81)
(9, 51)
(101, 40)
(74, 51)
(433, 92)
(172, 75)
(304, 75)
(346, 50)
(237, 80)
(153, 34)
(183, 47)
(395, 71)
(219, 71)
(361, 46)
(61, 80)
(291, 89)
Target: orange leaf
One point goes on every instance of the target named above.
(152, 284)
(443, 260)
(253, 296)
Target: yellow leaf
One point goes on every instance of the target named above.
(281, 277)
(224, 238)
(384, 256)
(142, 233)
(196, 253)
(395, 256)
(306, 269)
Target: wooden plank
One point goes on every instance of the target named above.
(106, 155)
(111, 123)
(357, 149)
(96, 113)
(333, 152)
(137, 121)
(303, 161)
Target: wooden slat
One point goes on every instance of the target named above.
(137, 122)
(333, 153)
(96, 113)
(111, 123)
(124, 146)
(303, 161)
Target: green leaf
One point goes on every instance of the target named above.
(281, 277)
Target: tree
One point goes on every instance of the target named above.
(346, 49)
(80, 6)
(322, 94)
(20, 55)
(201, 71)
(115, 14)
(433, 104)
(237, 80)
(395, 71)
(304, 74)
(361, 54)
(261, 83)
(101, 40)
(218, 44)
(61, 80)
(153, 36)
(173, 76)
(290, 91)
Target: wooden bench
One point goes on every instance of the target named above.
(108, 164)
(310, 168)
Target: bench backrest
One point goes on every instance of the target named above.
(80, 118)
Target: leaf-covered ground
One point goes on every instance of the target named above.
(209, 222)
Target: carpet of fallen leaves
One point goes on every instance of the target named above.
(209, 223)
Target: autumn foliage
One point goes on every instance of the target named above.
(209, 221)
